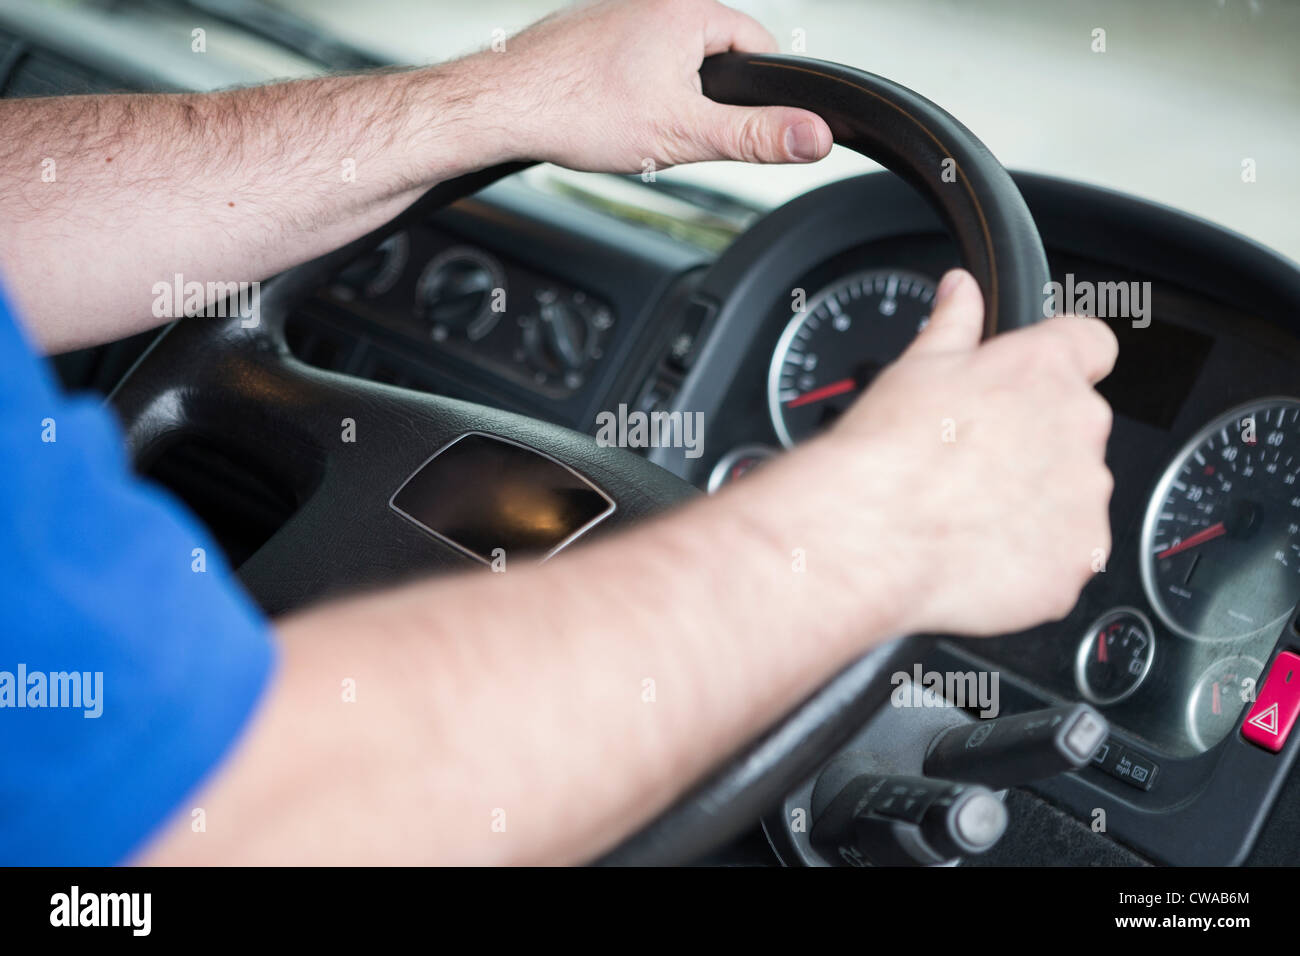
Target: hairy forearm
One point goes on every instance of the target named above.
(102, 198)
(565, 703)
(105, 196)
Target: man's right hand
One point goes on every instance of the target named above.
(970, 479)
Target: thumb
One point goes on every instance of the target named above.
(763, 134)
(957, 320)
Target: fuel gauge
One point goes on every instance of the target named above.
(1115, 656)
(1218, 697)
(737, 463)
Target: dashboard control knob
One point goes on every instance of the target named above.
(460, 291)
(564, 334)
(376, 272)
(561, 337)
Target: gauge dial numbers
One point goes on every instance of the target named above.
(1221, 539)
(1115, 656)
(832, 349)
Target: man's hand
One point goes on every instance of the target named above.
(615, 86)
(971, 476)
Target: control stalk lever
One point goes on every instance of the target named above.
(897, 820)
(1008, 751)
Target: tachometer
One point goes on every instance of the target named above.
(1221, 540)
(830, 351)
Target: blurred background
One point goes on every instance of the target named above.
(1184, 92)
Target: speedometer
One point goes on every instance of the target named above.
(1221, 539)
(839, 340)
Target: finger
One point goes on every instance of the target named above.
(728, 29)
(763, 134)
(1089, 341)
(957, 318)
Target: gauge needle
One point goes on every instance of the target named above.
(1209, 534)
(825, 392)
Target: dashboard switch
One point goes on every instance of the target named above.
(1124, 763)
(1134, 769)
(1271, 718)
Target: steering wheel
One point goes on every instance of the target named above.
(216, 379)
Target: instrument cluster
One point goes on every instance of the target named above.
(1171, 646)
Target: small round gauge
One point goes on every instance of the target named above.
(455, 293)
(1115, 656)
(832, 349)
(737, 463)
(1221, 539)
(1218, 697)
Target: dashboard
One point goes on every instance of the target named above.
(507, 298)
(1172, 636)
(539, 304)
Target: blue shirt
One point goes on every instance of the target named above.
(126, 669)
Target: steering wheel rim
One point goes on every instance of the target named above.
(999, 244)
(200, 376)
(924, 145)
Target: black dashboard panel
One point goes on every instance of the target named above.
(1216, 336)
(1210, 341)
(1225, 330)
(561, 274)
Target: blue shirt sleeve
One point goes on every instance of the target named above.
(127, 665)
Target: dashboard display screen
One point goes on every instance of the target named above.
(490, 497)
(1156, 369)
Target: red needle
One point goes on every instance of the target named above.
(826, 391)
(1209, 534)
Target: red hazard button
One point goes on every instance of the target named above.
(1277, 705)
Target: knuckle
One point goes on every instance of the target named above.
(1096, 416)
(1106, 481)
(749, 142)
(678, 140)
(1105, 415)
(1046, 359)
(1062, 601)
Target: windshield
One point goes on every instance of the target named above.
(1179, 101)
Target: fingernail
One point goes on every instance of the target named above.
(948, 284)
(801, 141)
